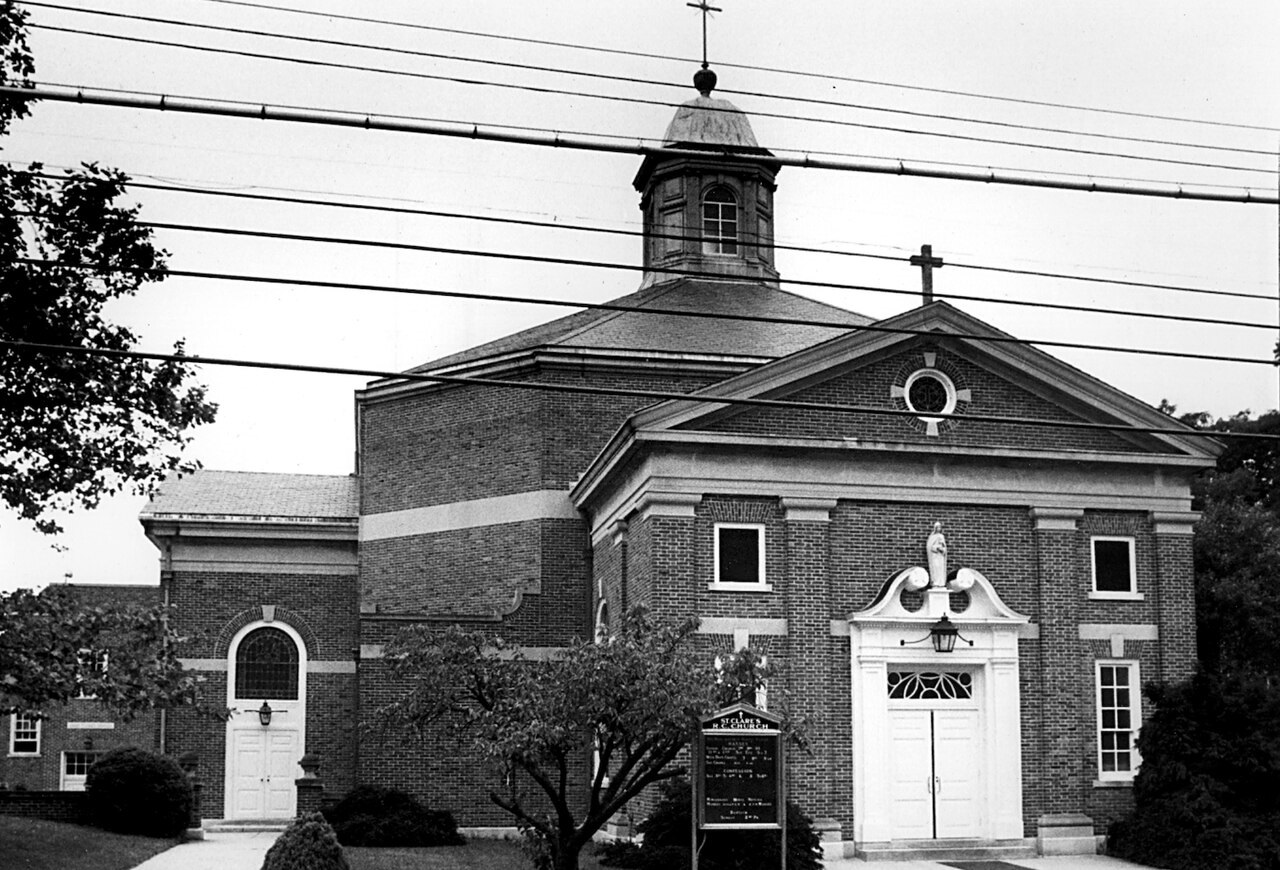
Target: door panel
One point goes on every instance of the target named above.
(956, 750)
(265, 768)
(248, 763)
(912, 797)
(282, 773)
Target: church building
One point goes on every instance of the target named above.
(964, 604)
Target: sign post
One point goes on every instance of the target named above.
(739, 779)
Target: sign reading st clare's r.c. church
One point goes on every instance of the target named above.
(739, 778)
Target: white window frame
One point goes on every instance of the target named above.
(727, 213)
(91, 659)
(1113, 777)
(67, 782)
(762, 584)
(1133, 594)
(13, 736)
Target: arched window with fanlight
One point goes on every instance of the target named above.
(267, 666)
(720, 221)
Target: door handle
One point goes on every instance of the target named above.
(928, 786)
(937, 786)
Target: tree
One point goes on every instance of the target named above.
(76, 426)
(53, 648)
(633, 699)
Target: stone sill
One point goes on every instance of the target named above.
(1113, 783)
(716, 586)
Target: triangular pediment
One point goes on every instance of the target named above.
(972, 375)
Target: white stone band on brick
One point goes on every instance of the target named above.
(731, 624)
(541, 504)
(313, 667)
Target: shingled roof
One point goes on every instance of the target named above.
(257, 494)
(634, 331)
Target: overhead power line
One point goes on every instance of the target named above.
(826, 77)
(705, 395)
(1229, 167)
(593, 228)
(263, 112)
(596, 76)
(658, 311)
(690, 273)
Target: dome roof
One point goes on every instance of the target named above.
(709, 121)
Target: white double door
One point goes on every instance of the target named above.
(264, 770)
(935, 758)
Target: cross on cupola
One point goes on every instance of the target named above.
(706, 9)
(927, 263)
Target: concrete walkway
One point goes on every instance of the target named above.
(233, 850)
(245, 851)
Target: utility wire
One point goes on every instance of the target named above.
(601, 76)
(806, 156)
(825, 77)
(591, 228)
(1230, 167)
(651, 310)
(202, 106)
(687, 273)
(704, 396)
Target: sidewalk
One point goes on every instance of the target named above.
(1065, 862)
(220, 851)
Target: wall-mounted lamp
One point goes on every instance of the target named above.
(264, 712)
(943, 633)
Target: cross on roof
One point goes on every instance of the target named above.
(927, 263)
(707, 9)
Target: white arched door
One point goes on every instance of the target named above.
(266, 664)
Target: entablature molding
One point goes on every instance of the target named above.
(1056, 519)
(1174, 522)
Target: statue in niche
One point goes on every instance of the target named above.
(936, 552)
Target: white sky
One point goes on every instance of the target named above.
(1198, 60)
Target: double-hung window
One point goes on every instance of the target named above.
(720, 222)
(93, 664)
(24, 734)
(1119, 719)
(75, 769)
(739, 558)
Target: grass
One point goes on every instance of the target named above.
(34, 844)
(478, 854)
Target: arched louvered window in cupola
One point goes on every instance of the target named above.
(267, 666)
(720, 222)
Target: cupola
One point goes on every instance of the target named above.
(708, 206)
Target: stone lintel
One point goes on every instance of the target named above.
(669, 504)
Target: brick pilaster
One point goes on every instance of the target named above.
(1175, 594)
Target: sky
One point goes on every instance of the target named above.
(1115, 61)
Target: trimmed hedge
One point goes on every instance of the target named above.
(374, 816)
(666, 840)
(308, 844)
(135, 792)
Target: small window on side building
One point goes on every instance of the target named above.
(720, 222)
(24, 734)
(1114, 574)
(739, 557)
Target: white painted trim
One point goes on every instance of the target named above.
(294, 568)
(541, 504)
(1135, 718)
(291, 715)
(331, 667)
(13, 737)
(751, 625)
(761, 583)
(1130, 594)
(203, 664)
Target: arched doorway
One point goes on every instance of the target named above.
(266, 665)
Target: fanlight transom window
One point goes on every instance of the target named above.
(720, 222)
(267, 666)
(930, 685)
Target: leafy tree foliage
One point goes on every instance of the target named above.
(76, 426)
(51, 648)
(1205, 795)
(634, 699)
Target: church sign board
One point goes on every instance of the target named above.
(739, 776)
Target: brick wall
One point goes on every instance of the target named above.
(55, 806)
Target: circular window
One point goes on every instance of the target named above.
(929, 391)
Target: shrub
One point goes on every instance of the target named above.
(135, 792)
(666, 840)
(308, 844)
(374, 816)
(1205, 795)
